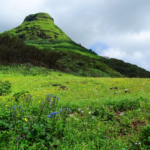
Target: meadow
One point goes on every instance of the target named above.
(67, 112)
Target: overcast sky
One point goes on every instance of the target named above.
(115, 28)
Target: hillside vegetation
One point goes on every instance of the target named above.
(40, 42)
(64, 56)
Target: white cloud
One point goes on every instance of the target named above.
(114, 53)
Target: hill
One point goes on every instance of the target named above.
(40, 42)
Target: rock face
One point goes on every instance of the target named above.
(38, 26)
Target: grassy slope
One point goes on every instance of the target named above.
(49, 74)
(86, 92)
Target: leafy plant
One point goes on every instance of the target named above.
(5, 87)
(144, 135)
(92, 65)
(19, 94)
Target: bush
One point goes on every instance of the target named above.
(101, 66)
(145, 135)
(91, 65)
(19, 94)
(81, 63)
(5, 87)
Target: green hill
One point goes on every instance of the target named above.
(40, 42)
(40, 31)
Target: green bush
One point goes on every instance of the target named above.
(19, 94)
(5, 87)
(91, 65)
(101, 66)
(145, 136)
(81, 63)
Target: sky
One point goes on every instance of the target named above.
(114, 28)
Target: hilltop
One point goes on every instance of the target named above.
(40, 31)
(40, 42)
(37, 27)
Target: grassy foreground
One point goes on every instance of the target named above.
(82, 114)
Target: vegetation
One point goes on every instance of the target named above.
(79, 62)
(91, 120)
(110, 112)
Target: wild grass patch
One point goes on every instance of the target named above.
(90, 113)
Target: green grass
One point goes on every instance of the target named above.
(93, 115)
(60, 44)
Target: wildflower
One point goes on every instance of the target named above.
(25, 119)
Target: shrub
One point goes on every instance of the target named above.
(145, 135)
(5, 87)
(19, 94)
(101, 66)
(91, 65)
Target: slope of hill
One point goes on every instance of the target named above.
(40, 42)
(40, 31)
